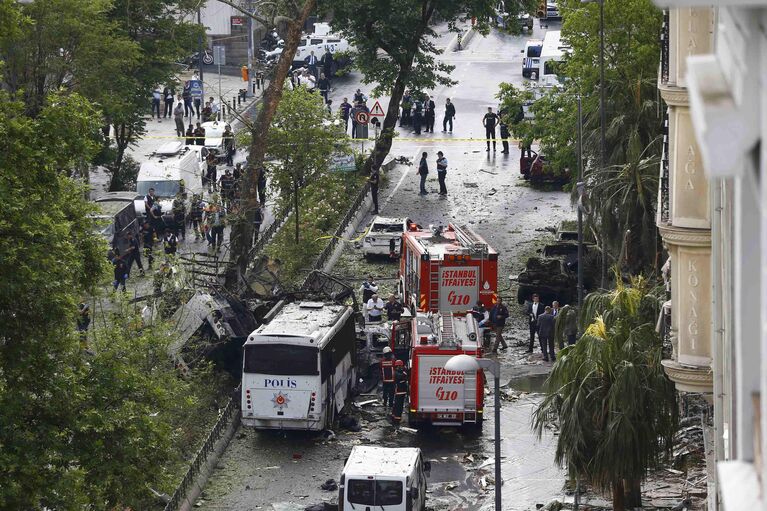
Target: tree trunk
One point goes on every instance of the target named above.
(618, 496)
(633, 493)
(295, 206)
(242, 227)
(385, 139)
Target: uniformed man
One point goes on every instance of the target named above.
(149, 200)
(417, 116)
(228, 144)
(196, 215)
(199, 134)
(147, 236)
(387, 377)
(134, 254)
(490, 121)
(258, 219)
(170, 242)
(400, 390)
(394, 309)
(179, 216)
(369, 288)
(227, 188)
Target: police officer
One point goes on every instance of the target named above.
(228, 144)
(147, 236)
(417, 116)
(490, 121)
(155, 216)
(227, 188)
(170, 242)
(149, 200)
(196, 215)
(387, 377)
(179, 216)
(134, 254)
(407, 105)
(504, 137)
(400, 390)
(428, 107)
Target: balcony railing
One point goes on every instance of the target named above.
(665, 196)
(664, 49)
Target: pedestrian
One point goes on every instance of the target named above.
(186, 96)
(190, 135)
(489, 121)
(368, 288)
(237, 173)
(84, 321)
(207, 112)
(197, 103)
(571, 326)
(373, 180)
(133, 254)
(449, 116)
(423, 171)
(168, 94)
(387, 377)
(199, 135)
(359, 97)
(195, 213)
(178, 117)
(156, 218)
(156, 100)
(216, 220)
(498, 315)
(311, 62)
(555, 308)
(147, 236)
(229, 145)
(226, 184)
(504, 136)
(344, 110)
(179, 216)
(417, 116)
(323, 84)
(262, 186)
(546, 334)
(400, 390)
(429, 114)
(407, 105)
(258, 219)
(149, 200)
(327, 63)
(120, 273)
(441, 172)
(329, 106)
(170, 242)
(214, 109)
(533, 310)
(375, 308)
(394, 309)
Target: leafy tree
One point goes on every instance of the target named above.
(394, 50)
(615, 407)
(302, 121)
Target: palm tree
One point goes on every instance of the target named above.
(615, 408)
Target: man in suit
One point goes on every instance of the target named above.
(429, 114)
(533, 310)
(546, 334)
(311, 62)
(555, 308)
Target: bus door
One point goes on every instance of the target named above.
(401, 335)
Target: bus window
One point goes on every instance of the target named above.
(281, 359)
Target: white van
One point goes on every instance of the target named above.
(553, 52)
(393, 479)
(172, 168)
(531, 62)
(312, 43)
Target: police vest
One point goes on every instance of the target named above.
(196, 211)
(387, 370)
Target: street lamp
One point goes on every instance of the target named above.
(467, 364)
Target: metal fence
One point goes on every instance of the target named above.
(665, 192)
(230, 412)
(664, 48)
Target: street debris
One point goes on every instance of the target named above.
(365, 403)
(408, 430)
(350, 423)
(329, 485)
(488, 172)
(469, 184)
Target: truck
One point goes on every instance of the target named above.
(437, 396)
(446, 269)
(393, 479)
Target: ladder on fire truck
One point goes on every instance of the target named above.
(471, 241)
(447, 338)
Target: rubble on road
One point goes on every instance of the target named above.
(329, 485)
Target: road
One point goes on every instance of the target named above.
(271, 470)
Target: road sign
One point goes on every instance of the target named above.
(377, 111)
(362, 117)
(219, 55)
(195, 88)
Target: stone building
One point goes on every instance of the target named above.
(712, 216)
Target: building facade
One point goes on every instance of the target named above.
(713, 220)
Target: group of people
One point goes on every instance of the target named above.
(423, 172)
(374, 306)
(542, 321)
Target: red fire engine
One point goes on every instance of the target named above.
(439, 396)
(447, 269)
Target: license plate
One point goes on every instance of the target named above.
(447, 416)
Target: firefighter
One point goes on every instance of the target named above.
(400, 391)
(387, 377)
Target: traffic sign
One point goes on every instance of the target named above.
(362, 117)
(377, 111)
(219, 55)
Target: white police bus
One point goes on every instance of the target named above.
(300, 368)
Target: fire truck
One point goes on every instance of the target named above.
(438, 396)
(444, 270)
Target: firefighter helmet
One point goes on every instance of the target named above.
(386, 350)
(399, 363)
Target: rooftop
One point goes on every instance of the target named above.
(368, 460)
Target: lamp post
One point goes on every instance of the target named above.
(467, 364)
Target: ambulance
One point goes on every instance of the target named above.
(444, 270)
(438, 396)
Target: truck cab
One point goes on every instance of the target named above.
(393, 479)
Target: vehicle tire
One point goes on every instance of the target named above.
(207, 59)
(534, 75)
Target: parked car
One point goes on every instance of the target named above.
(377, 239)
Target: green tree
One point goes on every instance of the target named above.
(302, 121)
(394, 50)
(614, 405)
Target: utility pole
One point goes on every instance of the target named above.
(201, 53)
(579, 188)
(251, 50)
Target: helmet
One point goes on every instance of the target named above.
(386, 350)
(399, 363)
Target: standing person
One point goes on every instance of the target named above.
(387, 377)
(237, 173)
(189, 135)
(359, 97)
(375, 308)
(178, 117)
(498, 315)
(212, 172)
(369, 288)
(217, 221)
(407, 105)
(214, 109)
(149, 200)
(353, 113)
(133, 254)
(186, 96)
(168, 94)
(156, 100)
(147, 236)
(329, 106)
(571, 326)
(207, 112)
(555, 308)
(417, 116)
(179, 216)
(441, 172)
(311, 62)
(374, 180)
(533, 310)
(327, 63)
(84, 321)
(449, 115)
(400, 390)
(170, 242)
(546, 334)
(323, 84)
(197, 100)
(199, 135)
(344, 110)
(423, 171)
(195, 213)
(262, 186)
(394, 309)
(229, 144)
(489, 121)
(429, 114)
(226, 184)
(504, 137)
(120, 273)
(258, 219)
